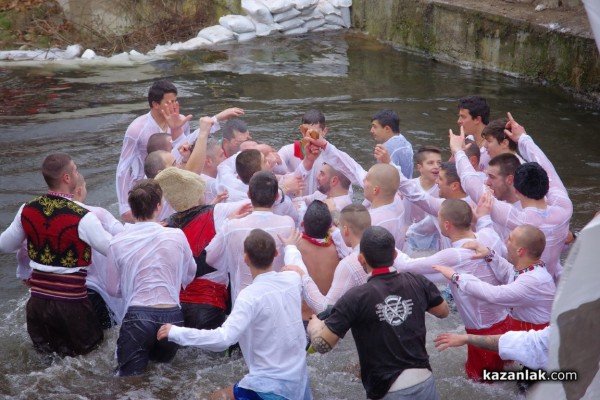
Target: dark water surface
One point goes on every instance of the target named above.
(84, 111)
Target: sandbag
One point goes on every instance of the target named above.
(285, 16)
(327, 27)
(314, 14)
(216, 34)
(295, 31)
(257, 11)
(237, 23)
(246, 36)
(341, 3)
(279, 6)
(313, 24)
(334, 20)
(327, 8)
(266, 30)
(304, 4)
(291, 24)
(194, 43)
(346, 17)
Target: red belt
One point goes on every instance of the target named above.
(203, 291)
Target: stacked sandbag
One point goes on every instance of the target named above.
(290, 17)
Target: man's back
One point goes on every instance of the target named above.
(387, 318)
(148, 264)
(226, 251)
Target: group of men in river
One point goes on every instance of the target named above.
(228, 241)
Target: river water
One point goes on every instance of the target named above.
(84, 111)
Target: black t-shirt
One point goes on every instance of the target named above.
(387, 318)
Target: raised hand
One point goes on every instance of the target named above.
(457, 142)
(381, 154)
(241, 212)
(513, 130)
(174, 120)
(221, 197)
(484, 205)
(229, 113)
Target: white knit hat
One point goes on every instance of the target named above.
(182, 189)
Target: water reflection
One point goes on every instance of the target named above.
(85, 111)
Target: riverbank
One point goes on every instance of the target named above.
(551, 46)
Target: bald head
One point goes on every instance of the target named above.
(386, 177)
(156, 162)
(530, 238)
(457, 212)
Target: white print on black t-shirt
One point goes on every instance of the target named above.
(394, 310)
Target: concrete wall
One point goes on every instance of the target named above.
(452, 33)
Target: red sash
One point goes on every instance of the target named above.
(479, 359)
(517, 325)
(203, 291)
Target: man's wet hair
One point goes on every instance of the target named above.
(232, 126)
(477, 106)
(260, 248)
(317, 220)
(263, 189)
(247, 163)
(378, 246)
(143, 199)
(507, 163)
(495, 129)
(356, 217)
(451, 173)
(531, 180)
(158, 89)
(387, 118)
(54, 167)
(458, 212)
(472, 150)
(314, 117)
(424, 151)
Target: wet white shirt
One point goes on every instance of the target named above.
(266, 320)
(148, 264)
(226, 251)
(475, 313)
(553, 220)
(133, 153)
(348, 274)
(529, 295)
(529, 348)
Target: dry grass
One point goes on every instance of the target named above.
(41, 24)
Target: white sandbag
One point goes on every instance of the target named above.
(304, 4)
(334, 20)
(237, 23)
(194, 43)
(258, 11)
(72, 51)
(88, 54)
(346, 17)
(327, 8)
(266, 30)
(313, 14)
(341, 3)
(246, 36)
(286, 15)
(307, 12)
(279, 6)
(216, 34)
(313, 24)
(295, 31)
(291, 24)
(327, 27)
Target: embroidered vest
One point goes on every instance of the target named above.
(50, 223)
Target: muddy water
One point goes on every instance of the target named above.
(85, 111)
